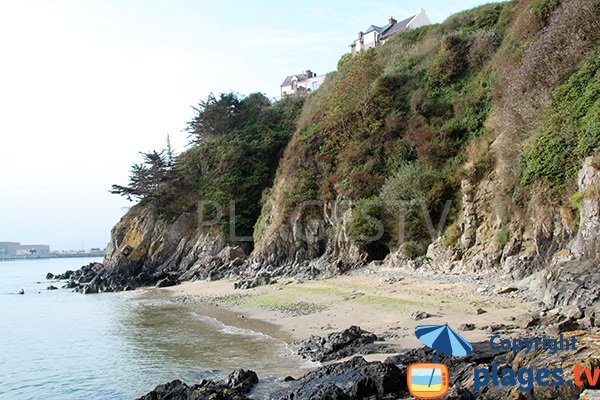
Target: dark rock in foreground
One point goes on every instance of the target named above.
(342, 344)
(238, 383)
(353, 379)
(242, 380)
(358, 379)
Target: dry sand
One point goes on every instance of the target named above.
(319, 307)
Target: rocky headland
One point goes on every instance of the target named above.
(450, 175)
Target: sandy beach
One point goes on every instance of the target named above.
(382, 303)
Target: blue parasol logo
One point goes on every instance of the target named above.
(443, 339)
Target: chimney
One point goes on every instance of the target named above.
(360, 35)
(392, 21)
(309, 74)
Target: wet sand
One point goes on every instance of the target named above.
(374, 302)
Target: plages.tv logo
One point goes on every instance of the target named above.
(427, 380)
(431, 380)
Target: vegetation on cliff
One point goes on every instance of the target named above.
(505, 92)
(236, 146)
(498, 103)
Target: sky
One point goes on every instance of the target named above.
(85, 85)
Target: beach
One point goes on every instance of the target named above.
(388, 303)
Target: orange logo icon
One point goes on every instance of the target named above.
(427, 380)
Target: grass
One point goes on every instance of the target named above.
(387, 301)
(576, 200)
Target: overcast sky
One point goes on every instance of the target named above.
(85, 85)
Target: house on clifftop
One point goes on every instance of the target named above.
(378, 35)
(301, 83)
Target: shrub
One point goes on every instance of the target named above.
(576, 200)
(366, 221)
(413, 249)
(483, 17)
(554, 155)
(502, 236)
(343, 60)
(449, 63)
(482, 47)
(411, 192)
(452, 234)
(542, 9)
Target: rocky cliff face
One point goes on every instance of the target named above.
(573, 276)
(147, 248)
(447, 112)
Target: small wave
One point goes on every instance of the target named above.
(230, 329)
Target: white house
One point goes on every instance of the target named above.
(378, 35)
(305, 82)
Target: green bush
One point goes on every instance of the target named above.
(542, 9)
(413, 249)
(555, 154)
(576, 200)
(367, 220)
(413, 192)
(452, 234)
(343, 60)
(449, 63)
(235, 162)
(502, 236)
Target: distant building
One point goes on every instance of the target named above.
(17, 249)
(9, 248)
(378, 35)
(301, 83)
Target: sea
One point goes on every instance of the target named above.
(57, 344)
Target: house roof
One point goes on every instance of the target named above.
(388, 30)
(379, 29)
(288, 80)
(396, 28)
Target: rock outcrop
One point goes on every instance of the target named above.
(359, 379)
(342, 344)
(235, 387)
(573, 277)
(353, 379)
(148, 248)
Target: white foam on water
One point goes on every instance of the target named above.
(230, 329)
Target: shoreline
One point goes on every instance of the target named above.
(385, 303)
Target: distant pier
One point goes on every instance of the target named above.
(52, 255)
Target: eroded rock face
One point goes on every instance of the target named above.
(149, 249)
(306, 236)
(586, 244)
(573, 278)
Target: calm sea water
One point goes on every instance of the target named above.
(64, 345)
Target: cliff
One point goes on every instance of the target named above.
(469, 145)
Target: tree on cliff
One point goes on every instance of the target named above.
(214, 116)
(145, 179)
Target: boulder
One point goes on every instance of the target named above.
(242, 380)
(419, 315)
(342, 344)
(261, 279)
(166, 282)
(238, 383)
(353, 379)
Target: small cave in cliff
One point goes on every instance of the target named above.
(376, 251)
